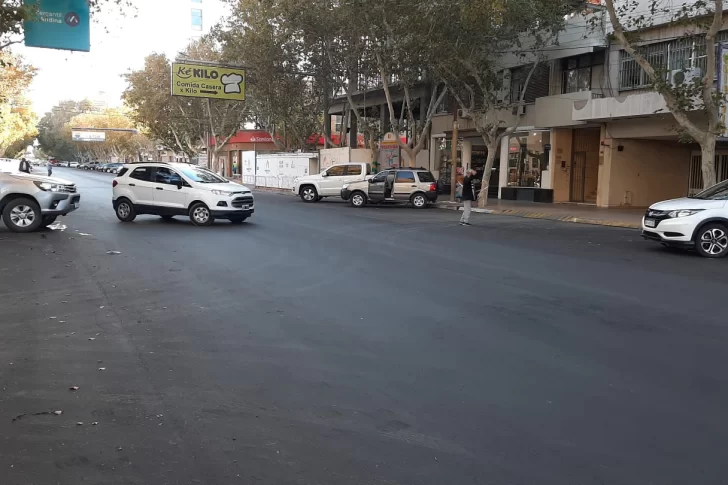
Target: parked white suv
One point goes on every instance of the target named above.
(328, 183)
(698, 222)
(29, 202)
(179, 189)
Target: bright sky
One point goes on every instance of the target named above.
(117, 44)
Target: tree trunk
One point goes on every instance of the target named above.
(412, 155)
(707, 166)
(487, 172)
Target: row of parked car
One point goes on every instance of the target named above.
(97, 166)
(101, 167)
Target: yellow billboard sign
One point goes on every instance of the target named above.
(207, 81)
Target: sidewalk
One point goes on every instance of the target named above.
(578, 213)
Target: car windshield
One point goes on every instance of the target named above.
(716, 192)
(201, 175)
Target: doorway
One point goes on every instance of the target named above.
(584, 166)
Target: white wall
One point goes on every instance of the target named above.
(332, 156)
(277, 170)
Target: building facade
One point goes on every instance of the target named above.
(591, 131)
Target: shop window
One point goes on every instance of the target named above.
(443, 160)
(528, 158)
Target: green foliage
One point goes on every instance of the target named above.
(17, 120)
(180, 123)
(279, 44)
(52, 135)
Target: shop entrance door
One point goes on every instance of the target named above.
(584, 166)
(578, 173)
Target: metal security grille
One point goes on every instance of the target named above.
(695, 178)
(681, 53)
(578, 176)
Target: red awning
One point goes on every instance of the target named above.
(249, 136)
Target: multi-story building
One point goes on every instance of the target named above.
(591, 130)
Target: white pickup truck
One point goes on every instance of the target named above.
(328, 183)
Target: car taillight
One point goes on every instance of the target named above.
(433, 187)
(114, 183)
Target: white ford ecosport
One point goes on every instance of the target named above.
(179, 189)
(697, 222)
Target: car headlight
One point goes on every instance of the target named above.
(224, 193)
(345, 186)
(683, 213)
(48, 187)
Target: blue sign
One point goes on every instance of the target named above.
(58, 24)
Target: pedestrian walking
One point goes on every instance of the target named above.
(50, 169)
(25, 166)
(468, 197)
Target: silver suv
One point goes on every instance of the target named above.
(28, 202)
(415, 186)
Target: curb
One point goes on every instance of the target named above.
(273, 190)
(543, 215)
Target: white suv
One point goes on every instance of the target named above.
(179, 189)
(312, 188)
(29, 202)
(698, 222)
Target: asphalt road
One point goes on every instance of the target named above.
(321, 344)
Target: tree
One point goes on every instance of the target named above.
(703, 20)
(52, 136)
(123, 145)
(283, 98)
(14, 12)
(177, 123)
(396, 35)
(17, 121)
(181, 123)
(476, 39)
(224, 117)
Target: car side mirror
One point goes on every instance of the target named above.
(324, 174)
(179, 185)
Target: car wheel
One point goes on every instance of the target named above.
(22, 215)
(711, 241)
(125, 211)
(48, 220)
(309, 193)
(200, 215)
(358, 199)
(418, 201)
(238, 219)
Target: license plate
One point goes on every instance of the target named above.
(650, 223)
